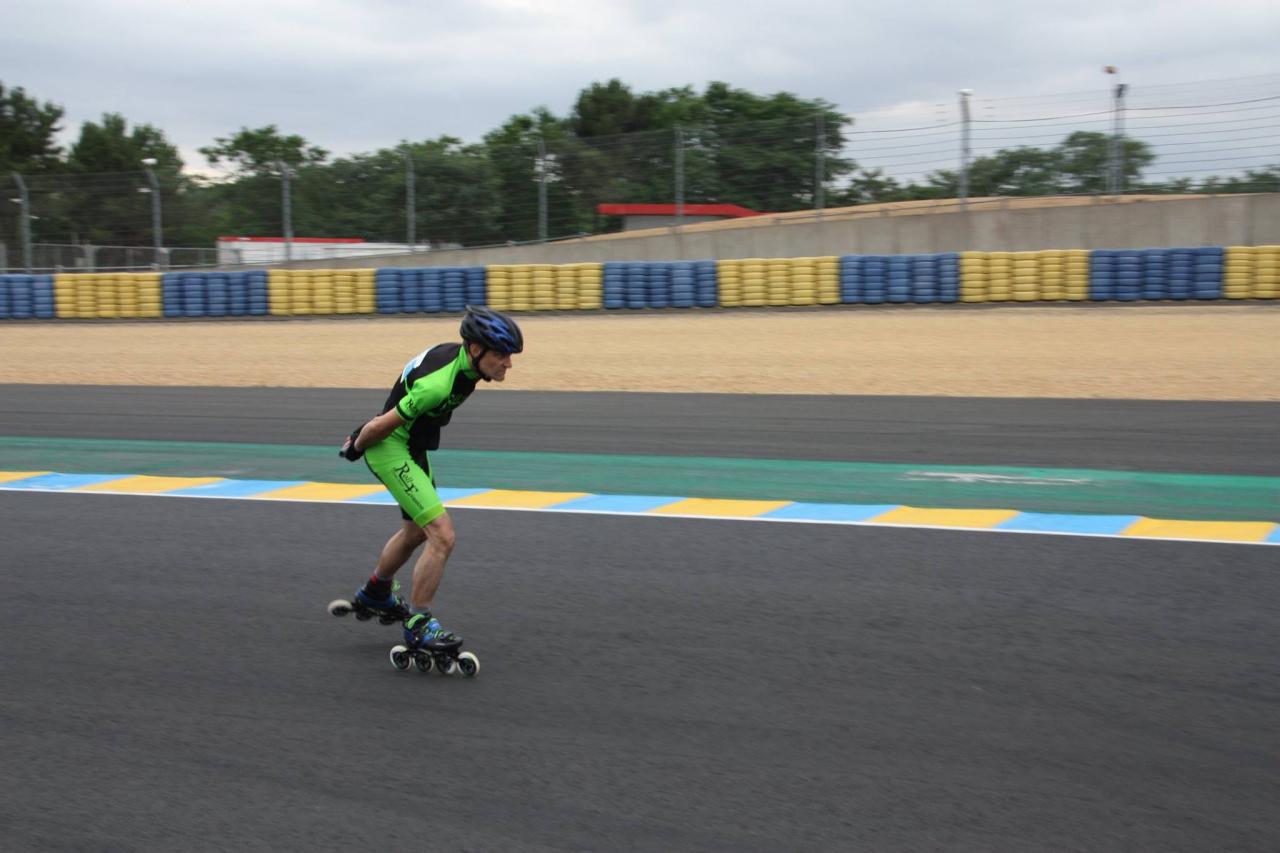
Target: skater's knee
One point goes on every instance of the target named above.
(414, 535)
(440, 533)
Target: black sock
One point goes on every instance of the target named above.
(377, 587)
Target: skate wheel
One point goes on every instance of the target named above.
(447, 667)
(339, 607)
(364, 615)
(468, 664)
(422, 662)
(400, 657)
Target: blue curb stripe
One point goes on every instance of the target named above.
(236, 488)
(383, 497)
(447, 494)
(62, 482)
(1275, 536)
(830, 512)
(617, 503)
(1065, 523)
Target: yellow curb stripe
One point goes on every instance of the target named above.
(10, 476)
(982, 518)
(147, 485)
(321, 492)
(719, 507)
(516, 500)
(1224, 531)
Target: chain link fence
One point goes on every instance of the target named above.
(1210, 136)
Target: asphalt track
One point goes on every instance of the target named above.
(1179, 436)
(172, 682)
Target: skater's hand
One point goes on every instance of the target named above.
(348, 451)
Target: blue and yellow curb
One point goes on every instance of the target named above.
(879, 515)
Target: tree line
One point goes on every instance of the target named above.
(767, 152)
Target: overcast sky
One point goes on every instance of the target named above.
(356, 75)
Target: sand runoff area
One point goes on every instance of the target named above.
(1187, 352)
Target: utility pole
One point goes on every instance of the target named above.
(410, 203)
(966, 150)
(157, 228)
(286, 204)
(542, 189)
(819, 161)
(679, 176)
(25, 200)
(1115, 182)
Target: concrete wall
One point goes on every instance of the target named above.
(983, 225)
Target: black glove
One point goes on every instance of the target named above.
(348, 450)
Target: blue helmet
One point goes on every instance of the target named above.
(492, 330)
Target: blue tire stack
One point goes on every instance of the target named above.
(850, 279)
(1207, 283)
(475, 285)
(23, 297)
(949, 277)
(454, 289)
(683, 284)
(171, 293)
(899, 279)
(1155, 274)
(1128, 286)
(215, 287)
(615, 285)
(637, 291)
(432, 290)
(706, 291)
(875, 276)
(924, 278)
(659, 274)
(10, 285)
(410, 291)
(1102, 275)
(1182, 273)
(258, 293)
(386, 290)
(193, 295)
(238, 294)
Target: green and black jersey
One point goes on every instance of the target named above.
(432, 385)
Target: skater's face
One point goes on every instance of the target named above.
(492, 364)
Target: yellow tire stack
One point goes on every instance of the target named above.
(729, 276)
(973, 276)
(366, 291)
(1053, 275)
(1266, 272)
(778, 281)
(1076, 266)
(498, 286)
(521, 287)
(150, 294)
(544, 286)
(590, 286)
(828, 280)
(803, 288)
(999, 276)
(322, 293)
(1237, 274)
(279, 292)
(344, 291)
(755, 288)
(1026, 276)
(86, 299)
(126, 295)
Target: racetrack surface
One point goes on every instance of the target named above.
(173, 683)
(1147, 435)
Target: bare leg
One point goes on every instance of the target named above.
(429, 570)
(399, 549)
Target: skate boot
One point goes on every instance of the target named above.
(388, 609)
(430, 646)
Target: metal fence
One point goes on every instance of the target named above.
(1206, 136)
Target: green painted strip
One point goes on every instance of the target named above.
(1158, 495)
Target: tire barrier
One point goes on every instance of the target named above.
(1251, 272)
(1052, 275)
(27, 297)
(1121, 275)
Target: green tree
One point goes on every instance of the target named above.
(28, 130)
(250, 202)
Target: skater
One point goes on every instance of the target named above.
(395, 444)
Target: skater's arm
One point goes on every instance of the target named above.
(378, 429)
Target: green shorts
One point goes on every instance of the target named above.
(412, 485)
